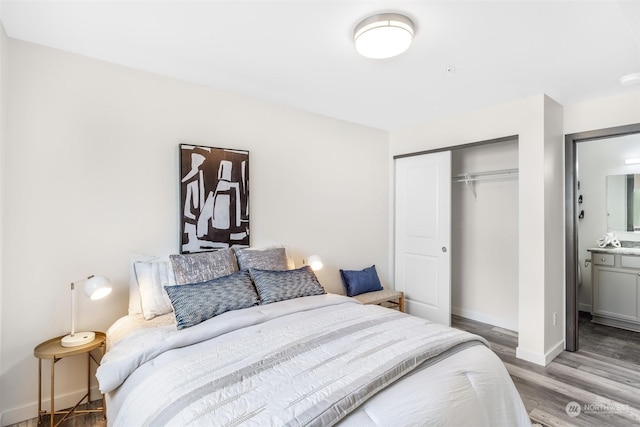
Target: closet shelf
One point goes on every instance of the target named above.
(478, 176)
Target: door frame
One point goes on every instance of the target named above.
(458, 147)
(571, 221)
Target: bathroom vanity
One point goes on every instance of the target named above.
(616, 287)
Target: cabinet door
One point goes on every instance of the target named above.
(615, 294)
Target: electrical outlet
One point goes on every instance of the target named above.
(555, 319)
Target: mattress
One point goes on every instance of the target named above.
(153, 374)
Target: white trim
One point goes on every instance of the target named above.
(555, 351)
(539, 358)
(30, 411)
(530, 356)
(501, 322)
(584, 307)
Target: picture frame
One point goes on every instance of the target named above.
(214, 198)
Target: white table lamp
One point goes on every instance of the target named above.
(95, 287)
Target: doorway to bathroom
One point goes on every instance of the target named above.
(590, 158)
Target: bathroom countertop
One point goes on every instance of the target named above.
(613, 250)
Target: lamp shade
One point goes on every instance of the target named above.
(97, 287)
(314, 262)
(630, 79)
(383, 36)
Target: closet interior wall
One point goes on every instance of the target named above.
(484, 235)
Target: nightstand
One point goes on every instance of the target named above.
(54, 351)
(386, 297)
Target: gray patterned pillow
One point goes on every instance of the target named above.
(200, 267)
(274, 286)
(193, 304)
(263, 259)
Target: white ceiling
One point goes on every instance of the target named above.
(300, 53)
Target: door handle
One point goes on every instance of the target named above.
(444, 249)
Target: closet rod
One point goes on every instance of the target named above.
(476, 176)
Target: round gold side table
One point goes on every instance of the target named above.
(53, 350)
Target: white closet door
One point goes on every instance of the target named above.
(423, 234)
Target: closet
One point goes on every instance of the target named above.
(482, 250)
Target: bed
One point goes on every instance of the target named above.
(313, 359)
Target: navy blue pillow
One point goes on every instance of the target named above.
(360, 281)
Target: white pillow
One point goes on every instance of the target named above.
(152, 277)
(135, 307)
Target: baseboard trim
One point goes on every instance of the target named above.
(539, 358)
(554, 352)
(530, 356)
(501, 322)
(29, 411)
(584, 307)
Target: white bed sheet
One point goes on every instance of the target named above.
(471, 387)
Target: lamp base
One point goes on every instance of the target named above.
(79, 338)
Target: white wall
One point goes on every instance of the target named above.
(538, 134)
(554, 235)
(597, 159)
(3, 126)
(92, 156)
(484, 236)
(603, 113)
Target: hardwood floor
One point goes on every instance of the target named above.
(603, 377)
(93, 419)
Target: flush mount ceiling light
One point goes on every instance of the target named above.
(630, 79)
(383, 36)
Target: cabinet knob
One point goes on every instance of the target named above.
(603, 259)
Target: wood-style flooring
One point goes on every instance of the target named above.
(603, 377)
(92, 419)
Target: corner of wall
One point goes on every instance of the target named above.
(554, 254)
(3, 136)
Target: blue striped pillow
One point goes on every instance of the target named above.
(193, 304)
(274, 286)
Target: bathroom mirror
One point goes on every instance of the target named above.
(623, 203)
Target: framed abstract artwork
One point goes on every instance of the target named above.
(214, 196)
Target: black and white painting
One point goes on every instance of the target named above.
(214, 191)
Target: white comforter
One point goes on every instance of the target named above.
(162, 376)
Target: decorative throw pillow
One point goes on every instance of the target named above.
(274, 286)
(193, 304)
(134, 290)
(152, 277)
(135, 306)
(358, 282)
(273, 258)
(200, 267)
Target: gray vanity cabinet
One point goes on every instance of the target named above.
(616, 289)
